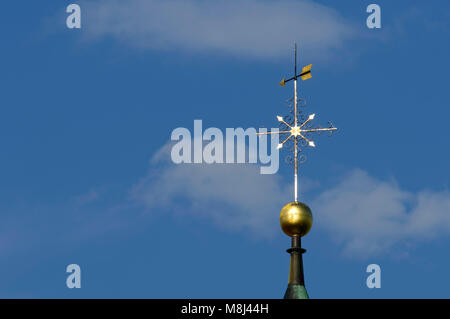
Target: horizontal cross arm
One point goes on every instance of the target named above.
(320, 129)
(277, 132)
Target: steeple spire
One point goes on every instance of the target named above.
(296, 217)
(296, 284)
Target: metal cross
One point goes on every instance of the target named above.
(298, 128)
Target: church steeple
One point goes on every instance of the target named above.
(296, 285)
(296, 217)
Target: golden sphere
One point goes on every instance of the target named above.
(296, 219)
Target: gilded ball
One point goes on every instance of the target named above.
(296, 219)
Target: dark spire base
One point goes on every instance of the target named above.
(296, 284)
(296, 291)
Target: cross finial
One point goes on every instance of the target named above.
(296, 129)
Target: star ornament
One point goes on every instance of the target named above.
(298, 132)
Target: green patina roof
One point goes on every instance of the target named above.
(296, 292)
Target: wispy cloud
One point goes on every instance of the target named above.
(86, 198)
(235, 196)
(243, 28)
(369, 216)
(366, 215)
(73, 221)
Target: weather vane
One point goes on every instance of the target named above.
(296, 217)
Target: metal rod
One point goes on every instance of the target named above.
(295, 125)
(320, 129)
(295, 137)
(295, 67)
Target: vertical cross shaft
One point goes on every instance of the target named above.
(295, 124)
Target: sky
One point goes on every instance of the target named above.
(86, 117)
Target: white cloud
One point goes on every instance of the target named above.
(365, 215)
(235, 196)
(369, 216)
(243, 28)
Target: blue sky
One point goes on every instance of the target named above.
(83, 112)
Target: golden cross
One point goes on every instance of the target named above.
(296, 131)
